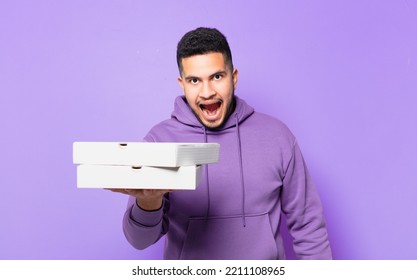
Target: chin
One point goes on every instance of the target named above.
(213, 125)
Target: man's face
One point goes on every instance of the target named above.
(208, 85)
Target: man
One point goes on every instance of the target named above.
(235, 212)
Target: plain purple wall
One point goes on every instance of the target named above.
(341, 74)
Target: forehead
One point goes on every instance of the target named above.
(203, 64)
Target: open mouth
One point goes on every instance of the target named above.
(211, 108)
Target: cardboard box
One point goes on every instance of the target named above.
(145, 154)
(128, 177)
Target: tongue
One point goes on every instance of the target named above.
(211, 107)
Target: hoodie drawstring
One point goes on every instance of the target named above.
(242, 182)
(207, 178)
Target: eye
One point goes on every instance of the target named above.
(217, 77)
(193, 81)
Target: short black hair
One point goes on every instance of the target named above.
(203, 40)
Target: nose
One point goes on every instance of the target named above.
(207, 91)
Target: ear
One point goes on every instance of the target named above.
(181, 83)
(235, 76)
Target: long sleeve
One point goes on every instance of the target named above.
(144, 228)
(302, 207)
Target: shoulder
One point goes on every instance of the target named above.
(172, 130)
(159, 130)
(270, 126)
(269, 136)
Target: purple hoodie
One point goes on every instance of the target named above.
(235, 212)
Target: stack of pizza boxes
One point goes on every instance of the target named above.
(142, 165)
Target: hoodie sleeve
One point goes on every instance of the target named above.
(302, 207)
(143, 228)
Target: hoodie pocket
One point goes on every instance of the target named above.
(227, 238)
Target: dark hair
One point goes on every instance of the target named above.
(203, 40)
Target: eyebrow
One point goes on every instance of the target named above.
(191, 78)
(221, 72)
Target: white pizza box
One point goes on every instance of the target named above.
(145, 153)
(130, 177)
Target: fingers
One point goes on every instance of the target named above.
(123, 191)
(143, 191)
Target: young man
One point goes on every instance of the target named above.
(235, 212)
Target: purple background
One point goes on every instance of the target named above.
(343, 76)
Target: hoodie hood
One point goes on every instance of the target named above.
(183, 113)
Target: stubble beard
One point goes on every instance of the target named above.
(229, 111)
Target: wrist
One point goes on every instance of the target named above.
(152, 205)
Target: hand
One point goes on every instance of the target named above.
(147, 199)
